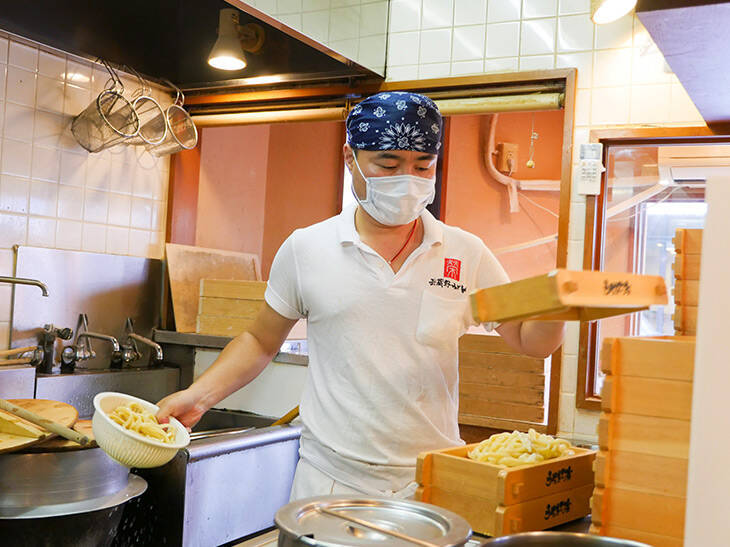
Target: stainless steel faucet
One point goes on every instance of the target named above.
(77, 352)
(25, 281)
(130, 352)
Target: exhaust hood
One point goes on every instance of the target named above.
(173, 38)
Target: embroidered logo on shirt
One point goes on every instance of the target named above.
(452, 268)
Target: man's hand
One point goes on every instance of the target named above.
(184, 405)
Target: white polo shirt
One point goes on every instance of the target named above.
(382, 383)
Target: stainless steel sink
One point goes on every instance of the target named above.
(224, 419)
(229, 482)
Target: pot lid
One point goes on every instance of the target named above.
(314, 517)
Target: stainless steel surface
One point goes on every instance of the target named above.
(217, 490)
(371, 526)
(167, 337)
(316, 43)
(78, 389)
(17, 382)
(98, 336)
(91, 523)
(210, 433)
(304, 518)
(25, 281)
(146, 341)
(134, 487)
(108, 288)
(31, 480)
(559, 539)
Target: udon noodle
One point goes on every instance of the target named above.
(135, 417)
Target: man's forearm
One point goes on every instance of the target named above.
(239, 363)
(534, 338)
(541, 338)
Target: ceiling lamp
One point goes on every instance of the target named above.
(233, 39)
(607, 11)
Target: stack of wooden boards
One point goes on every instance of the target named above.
(498, 501)
(17, 434)
(499, 387)
(643, 433)
(229, 307)
(688, 246)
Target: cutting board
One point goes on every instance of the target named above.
(59, 412)
(187, 265)
(58, 444)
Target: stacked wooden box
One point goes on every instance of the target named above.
(498, 501)
(499, 387)
(643, 433)
(688, 246)
(227, 308)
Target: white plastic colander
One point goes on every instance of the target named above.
(128, 447)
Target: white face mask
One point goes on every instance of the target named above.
(395, 200)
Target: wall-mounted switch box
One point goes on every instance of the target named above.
(507, 157)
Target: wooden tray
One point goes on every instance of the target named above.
(669, 358)
(644, 435)
(648, 472)
(488, 517)
(656, 540)
(638, 510)
(452, 470)
(569, 296)
(647, 396)
(61, 413)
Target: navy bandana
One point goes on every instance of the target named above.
(395, 120)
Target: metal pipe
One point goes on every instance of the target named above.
(25, 281)
(148, 342)
(114, 341)
(271, 116)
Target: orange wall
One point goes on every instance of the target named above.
(479, 204)
(303, 181)
(232, 188)
(259, 183)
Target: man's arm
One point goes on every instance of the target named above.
(240, 362)
(533, 338)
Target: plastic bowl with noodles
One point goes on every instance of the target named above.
(129, 447)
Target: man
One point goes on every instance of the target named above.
(384, 287)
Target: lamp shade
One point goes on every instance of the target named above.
(227, 53)
(607, 11)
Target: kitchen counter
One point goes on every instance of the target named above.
(294, 352)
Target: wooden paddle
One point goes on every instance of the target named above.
(288, 417)
(45, 423)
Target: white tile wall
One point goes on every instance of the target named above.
(52, 192)
(356, 28)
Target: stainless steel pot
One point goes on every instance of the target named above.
(89, 523)
(559, 539)
(331, 521)
(64, 499)
(58, 477)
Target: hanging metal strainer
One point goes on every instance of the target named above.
(181, 131)
(108, 120)
(152, 124)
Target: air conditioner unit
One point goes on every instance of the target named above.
(688, 165)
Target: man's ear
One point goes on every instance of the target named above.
(349, 156)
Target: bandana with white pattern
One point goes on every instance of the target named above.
(397, 120)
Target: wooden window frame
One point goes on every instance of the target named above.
(183, 199)
(595, 226)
